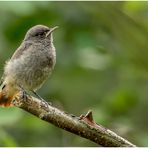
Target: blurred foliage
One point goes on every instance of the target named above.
(102, 65)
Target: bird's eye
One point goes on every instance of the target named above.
(40, 34)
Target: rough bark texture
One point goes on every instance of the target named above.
(83, 126)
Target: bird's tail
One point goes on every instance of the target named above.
(5, 97)
(5, 100)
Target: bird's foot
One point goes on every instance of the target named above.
(24, 93)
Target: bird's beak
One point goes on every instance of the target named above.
(51, 30)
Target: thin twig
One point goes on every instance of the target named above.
(83, 126)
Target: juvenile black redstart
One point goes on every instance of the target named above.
(30, 65)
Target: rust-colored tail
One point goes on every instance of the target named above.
(5, 100)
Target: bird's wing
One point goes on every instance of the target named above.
(2, 85)
(23, 47)
(1, 80)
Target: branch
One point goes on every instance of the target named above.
(83, 126)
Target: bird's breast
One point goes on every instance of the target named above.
(33, 67)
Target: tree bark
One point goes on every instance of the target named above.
(83, 126)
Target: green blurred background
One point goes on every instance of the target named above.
(102, 65)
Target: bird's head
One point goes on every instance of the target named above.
(40, 32)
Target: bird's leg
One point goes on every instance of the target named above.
(3, 86)
(24, 93)
(39, 97)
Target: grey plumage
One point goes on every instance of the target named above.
(33, 61)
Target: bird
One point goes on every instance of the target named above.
(30, 65)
